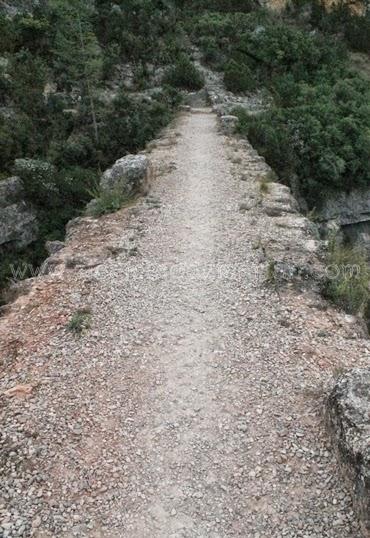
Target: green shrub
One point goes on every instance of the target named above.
(270, 134)
(77, 149)
(238, 78)
(282, 48)
(7, 34)
(224, 6)
(325, 142)
(111, 58)
(106, 201)
(265, 180)
(39, 180)
(348, 279)
(357, 33)
(31, 33)
(4, 86)
(230, 6)
(318, 130)
(28, 76)
(127, 123)
(184, 75)
(80, 321)
(339, 20)
(211, 51)
(57, 196)
(74, 184)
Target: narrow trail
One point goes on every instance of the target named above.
(210, 448)
(186, 399)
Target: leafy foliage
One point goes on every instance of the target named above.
(317, 131)
(65, 114)
(80, 321)
(184, 75)
(106, 201)
(341, 19)
(348, 279)
(238, 78)
(38, 179)
(222, 6)
(318, 128)
(58, 129)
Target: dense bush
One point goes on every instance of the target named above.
(226, 29)
(39, 180)
(106, 201)
(127, 123)
(32, 32)
(341, 20)
(224, 6)
(139, 30)
(183, 74)
(211, 52)
(6, 34)
(357, 33)
(267, 45)
(348, 279)
(318, 133)
(317, 130)
(238, 77)
(78, 148)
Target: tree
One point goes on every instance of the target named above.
(32, 34)
(77, 54)
(7, 34)
(28, 78)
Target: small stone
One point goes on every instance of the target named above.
(36, 522)
(245, 206)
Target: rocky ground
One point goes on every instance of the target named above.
(191, 406)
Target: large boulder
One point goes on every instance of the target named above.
(348, 411)
(11, 191)
(129, 176)
(18, 223)
(346, 208)
(350, 213)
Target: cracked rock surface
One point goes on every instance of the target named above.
(349, 422)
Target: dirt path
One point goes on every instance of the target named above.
(184, 411)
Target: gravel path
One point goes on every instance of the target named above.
(184, 411)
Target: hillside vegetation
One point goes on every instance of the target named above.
(81, 84)
(315, 131)
(84, 83)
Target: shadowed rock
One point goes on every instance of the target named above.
(348, 410)
(18, 224)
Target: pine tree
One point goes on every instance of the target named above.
(77, 54)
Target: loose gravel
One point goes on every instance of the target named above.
(192, 406)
